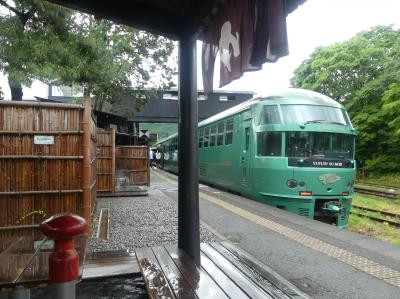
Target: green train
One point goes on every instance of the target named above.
(293, 150)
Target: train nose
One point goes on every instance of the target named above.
(323, 182)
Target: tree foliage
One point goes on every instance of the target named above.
(364, 74)
(27, 33)
(40, 40)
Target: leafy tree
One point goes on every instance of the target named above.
(27, 33)
(40, 40)
(364, 74)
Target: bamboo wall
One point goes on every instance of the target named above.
(134, 162)
(59, 177)
(106, 161)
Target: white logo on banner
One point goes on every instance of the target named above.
(227, 39)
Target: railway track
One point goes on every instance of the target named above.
(377, 191)
(394, 222)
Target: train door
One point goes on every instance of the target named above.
(245, 154)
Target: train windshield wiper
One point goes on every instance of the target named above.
(315, 121)
(320, 121)
(336, 123)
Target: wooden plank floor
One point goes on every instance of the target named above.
(225, 272)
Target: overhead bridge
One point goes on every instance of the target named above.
(163, 107)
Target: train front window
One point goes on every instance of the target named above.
(305, 114)
(269, 143)
(270, 115)
(319, 145)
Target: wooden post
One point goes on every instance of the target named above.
(148, 165)
(86, 173)
(188, 188)
(113, 160)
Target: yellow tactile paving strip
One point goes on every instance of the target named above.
(361, 263)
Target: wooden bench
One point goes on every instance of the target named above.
(225, 272)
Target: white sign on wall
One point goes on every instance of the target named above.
(40, 139)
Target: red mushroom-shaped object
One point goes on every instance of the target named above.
(64, 260)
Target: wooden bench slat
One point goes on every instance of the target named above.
(222, 279)
(253, 264)
(253, 275)
(198, 278)
(146, 252)
(248, 286)
(157, 285)
(179, 285)
(225, 272)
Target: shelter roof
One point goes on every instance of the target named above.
(171, 18)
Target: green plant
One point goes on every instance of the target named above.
(41, 213)
(363, 73)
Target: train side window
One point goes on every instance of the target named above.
(220, 138)
(212, 135)
(229, 131)
(206, 136)
(201, 137)
(270, 115)
(247, 135)
(269, 144)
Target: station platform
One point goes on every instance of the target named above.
(321, 260)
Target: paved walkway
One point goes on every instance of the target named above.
(320, 259)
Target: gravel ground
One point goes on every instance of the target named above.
(139, 222)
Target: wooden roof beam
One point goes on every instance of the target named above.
(139, 15)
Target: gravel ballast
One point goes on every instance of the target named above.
(141, 221)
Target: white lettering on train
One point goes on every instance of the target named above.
(325, 163)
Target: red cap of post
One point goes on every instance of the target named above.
(64, 260)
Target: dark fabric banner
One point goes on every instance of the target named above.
(247, 33)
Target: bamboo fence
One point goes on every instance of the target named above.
(47, 163)
(133, 161)
(106, 161)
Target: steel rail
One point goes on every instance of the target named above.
(390, 214)
(381, 220)
(376, 185)
(385, 193)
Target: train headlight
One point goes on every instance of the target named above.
(305, 193)
(291, 183)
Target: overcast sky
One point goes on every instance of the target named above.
(315, 23)
(318, 23)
